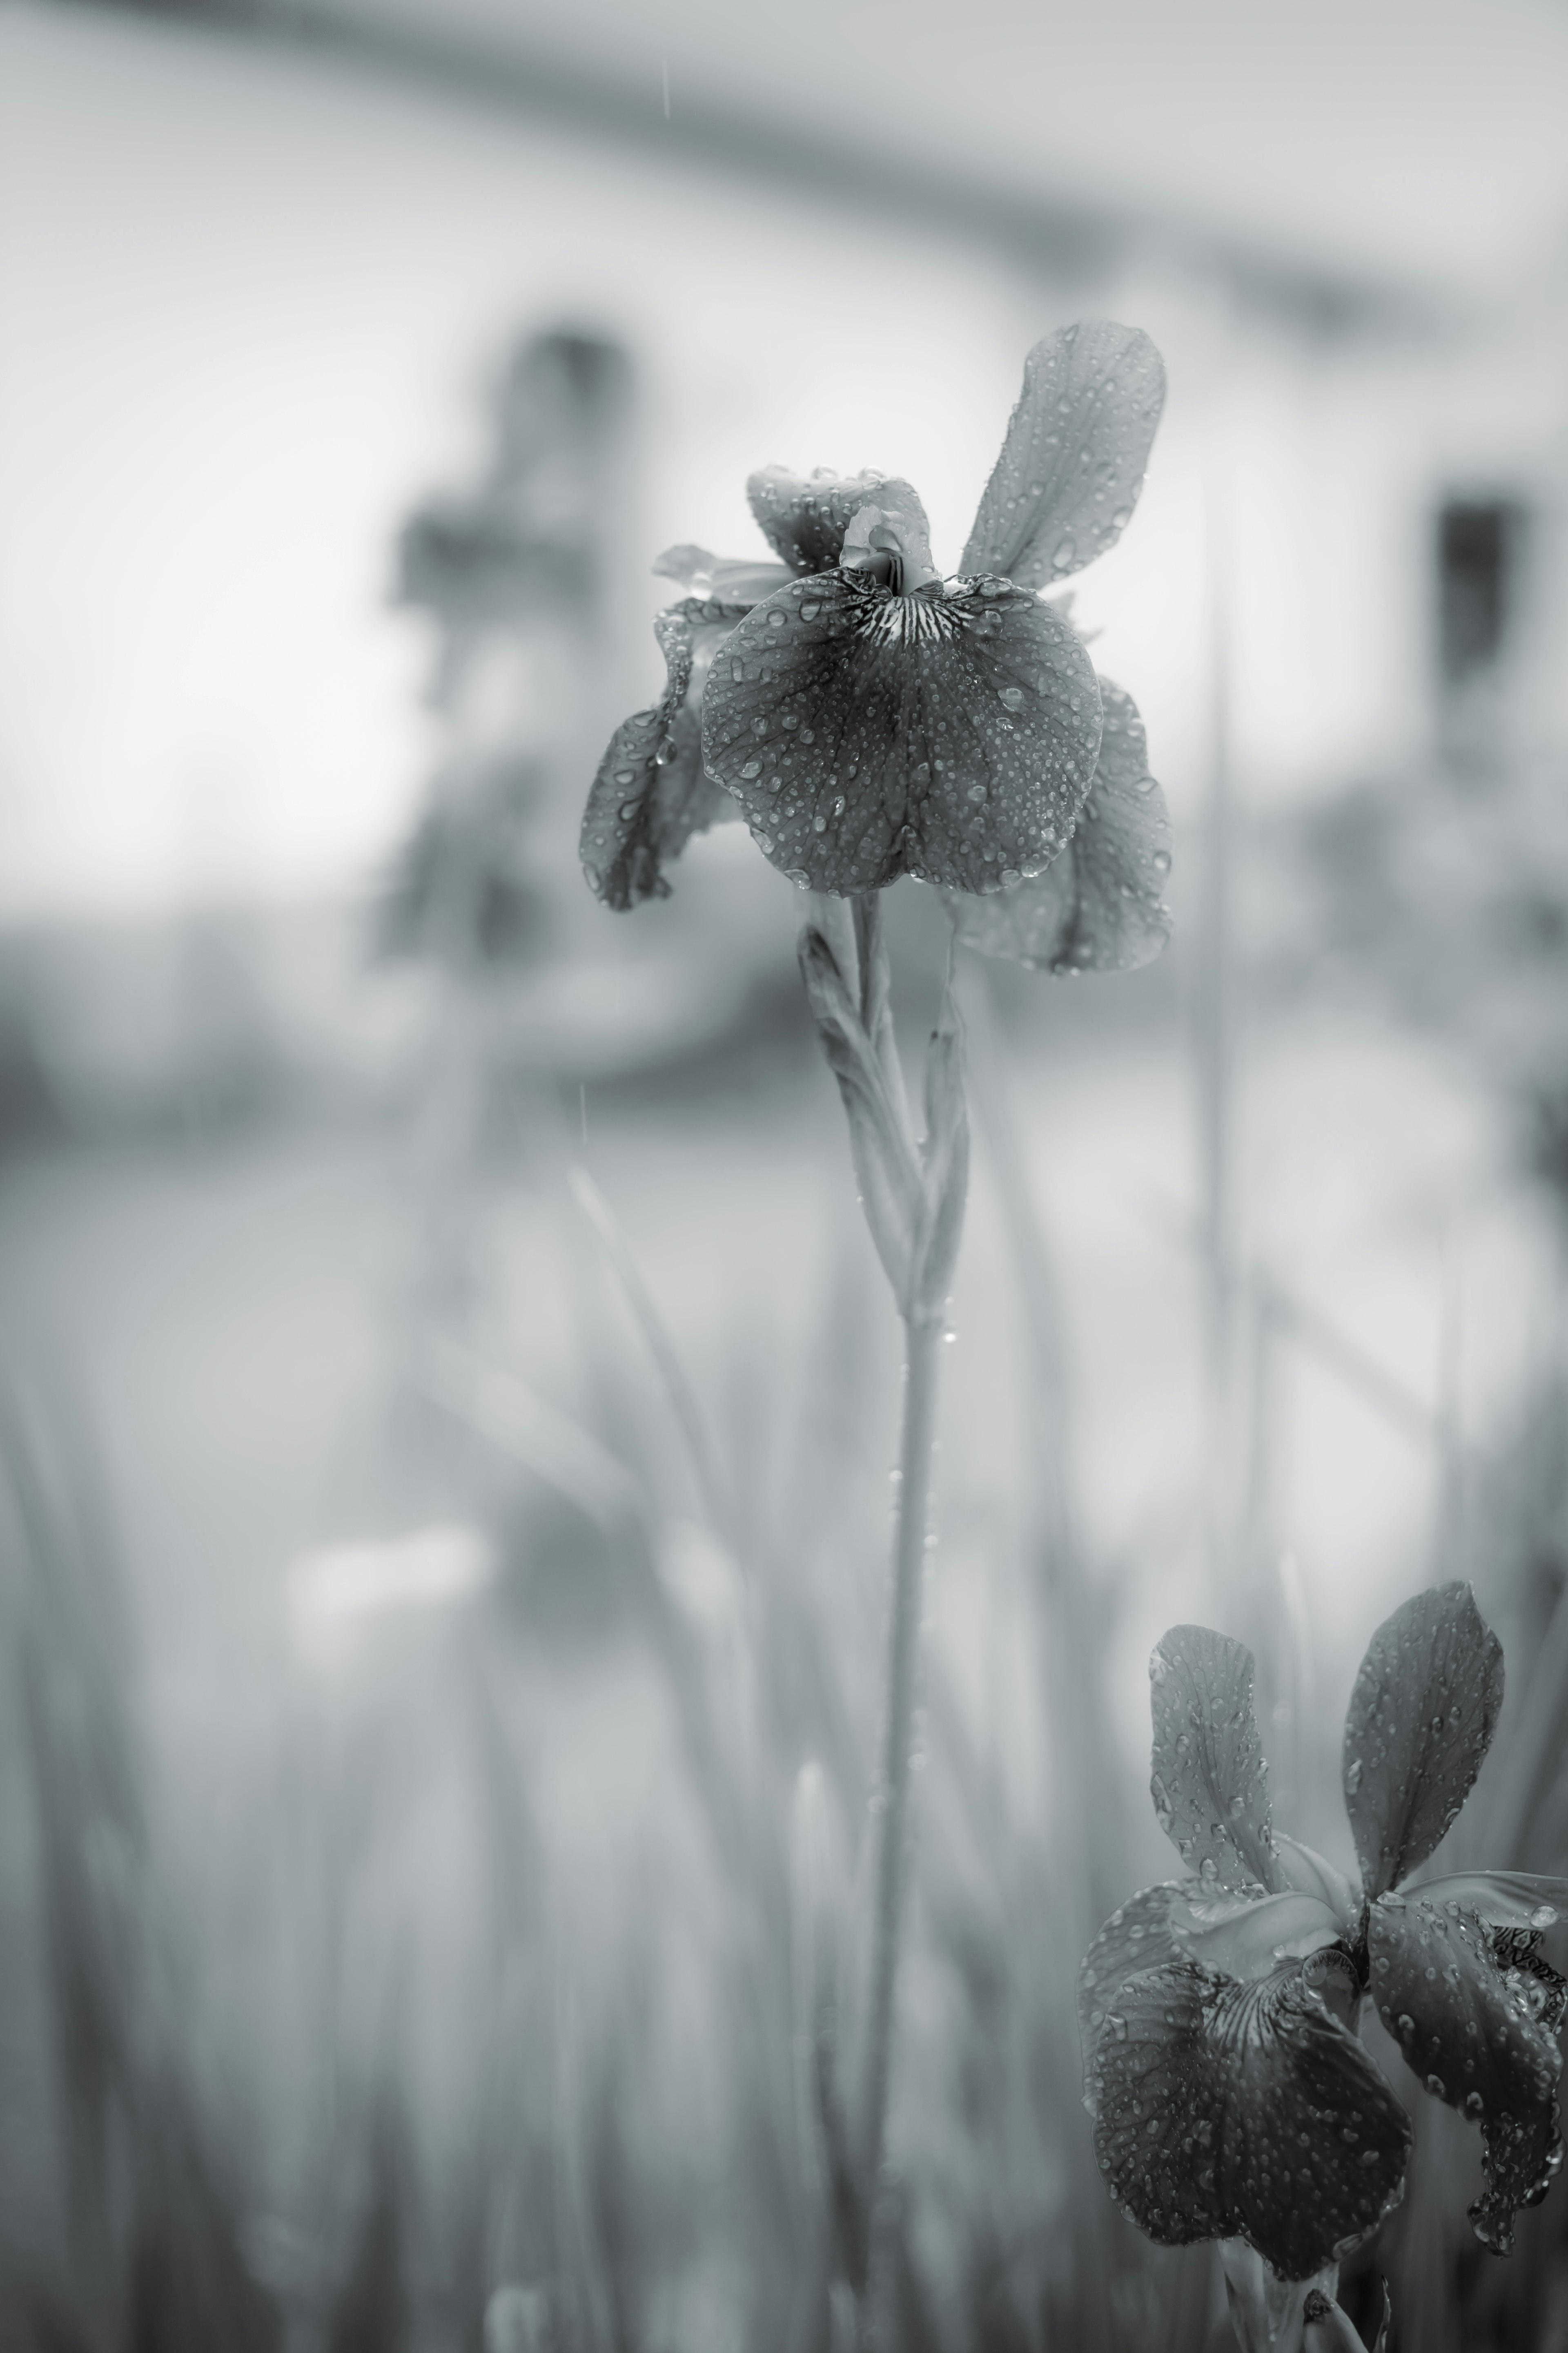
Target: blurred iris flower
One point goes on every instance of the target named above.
(870, 718)
(1230, 2091)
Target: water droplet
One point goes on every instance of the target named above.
(1435, 2085)
(751, 768)
(1543, 1917)
(1474, 2105)
(1010, 697)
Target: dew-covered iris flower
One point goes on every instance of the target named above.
(870, 718)
(1231, 2094)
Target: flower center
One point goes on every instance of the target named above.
(891, 546)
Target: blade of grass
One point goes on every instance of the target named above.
(677, 1388)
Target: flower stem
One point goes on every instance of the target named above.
(923, 1341)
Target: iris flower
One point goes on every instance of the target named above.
(868, 718)
(1230, 2090)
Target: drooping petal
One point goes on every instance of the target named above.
(1137, 1937)
(1209, 1780)
(1072, 463)
(1099, 906)
(651, 795)
(1421, 1717)
(950, 735)
(734, 581)
(1248, 2111)
(804, 517)
(1476, 2011)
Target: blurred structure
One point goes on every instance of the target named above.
(450, 1913)
(1358, 281)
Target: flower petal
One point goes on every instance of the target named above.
(1476, 2012)
(1248, 2111)
(950, 735)
(804, 517)
(651, 795)
(891, 531)
(1504, 1899)
(1255, 1937)
(1314, 1875)
(1135, 1938)
(1072, 463)
(1097, 908)
(1421, 1718)
(1209, 1782)
(731, 580)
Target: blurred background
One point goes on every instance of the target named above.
(447, 1393)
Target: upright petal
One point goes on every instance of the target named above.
(1421, 1718)
(651, 795)
(1210, 1780)
(950, 735)
(1305, 1868)
(804, 517)
(1476, 2011)
(1072, 463)
(1099, 906)
(1248, 2111)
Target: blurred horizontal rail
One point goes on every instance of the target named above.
(1049, 227)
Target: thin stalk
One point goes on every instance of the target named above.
(923, 1343)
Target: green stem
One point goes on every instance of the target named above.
(922, 1359)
